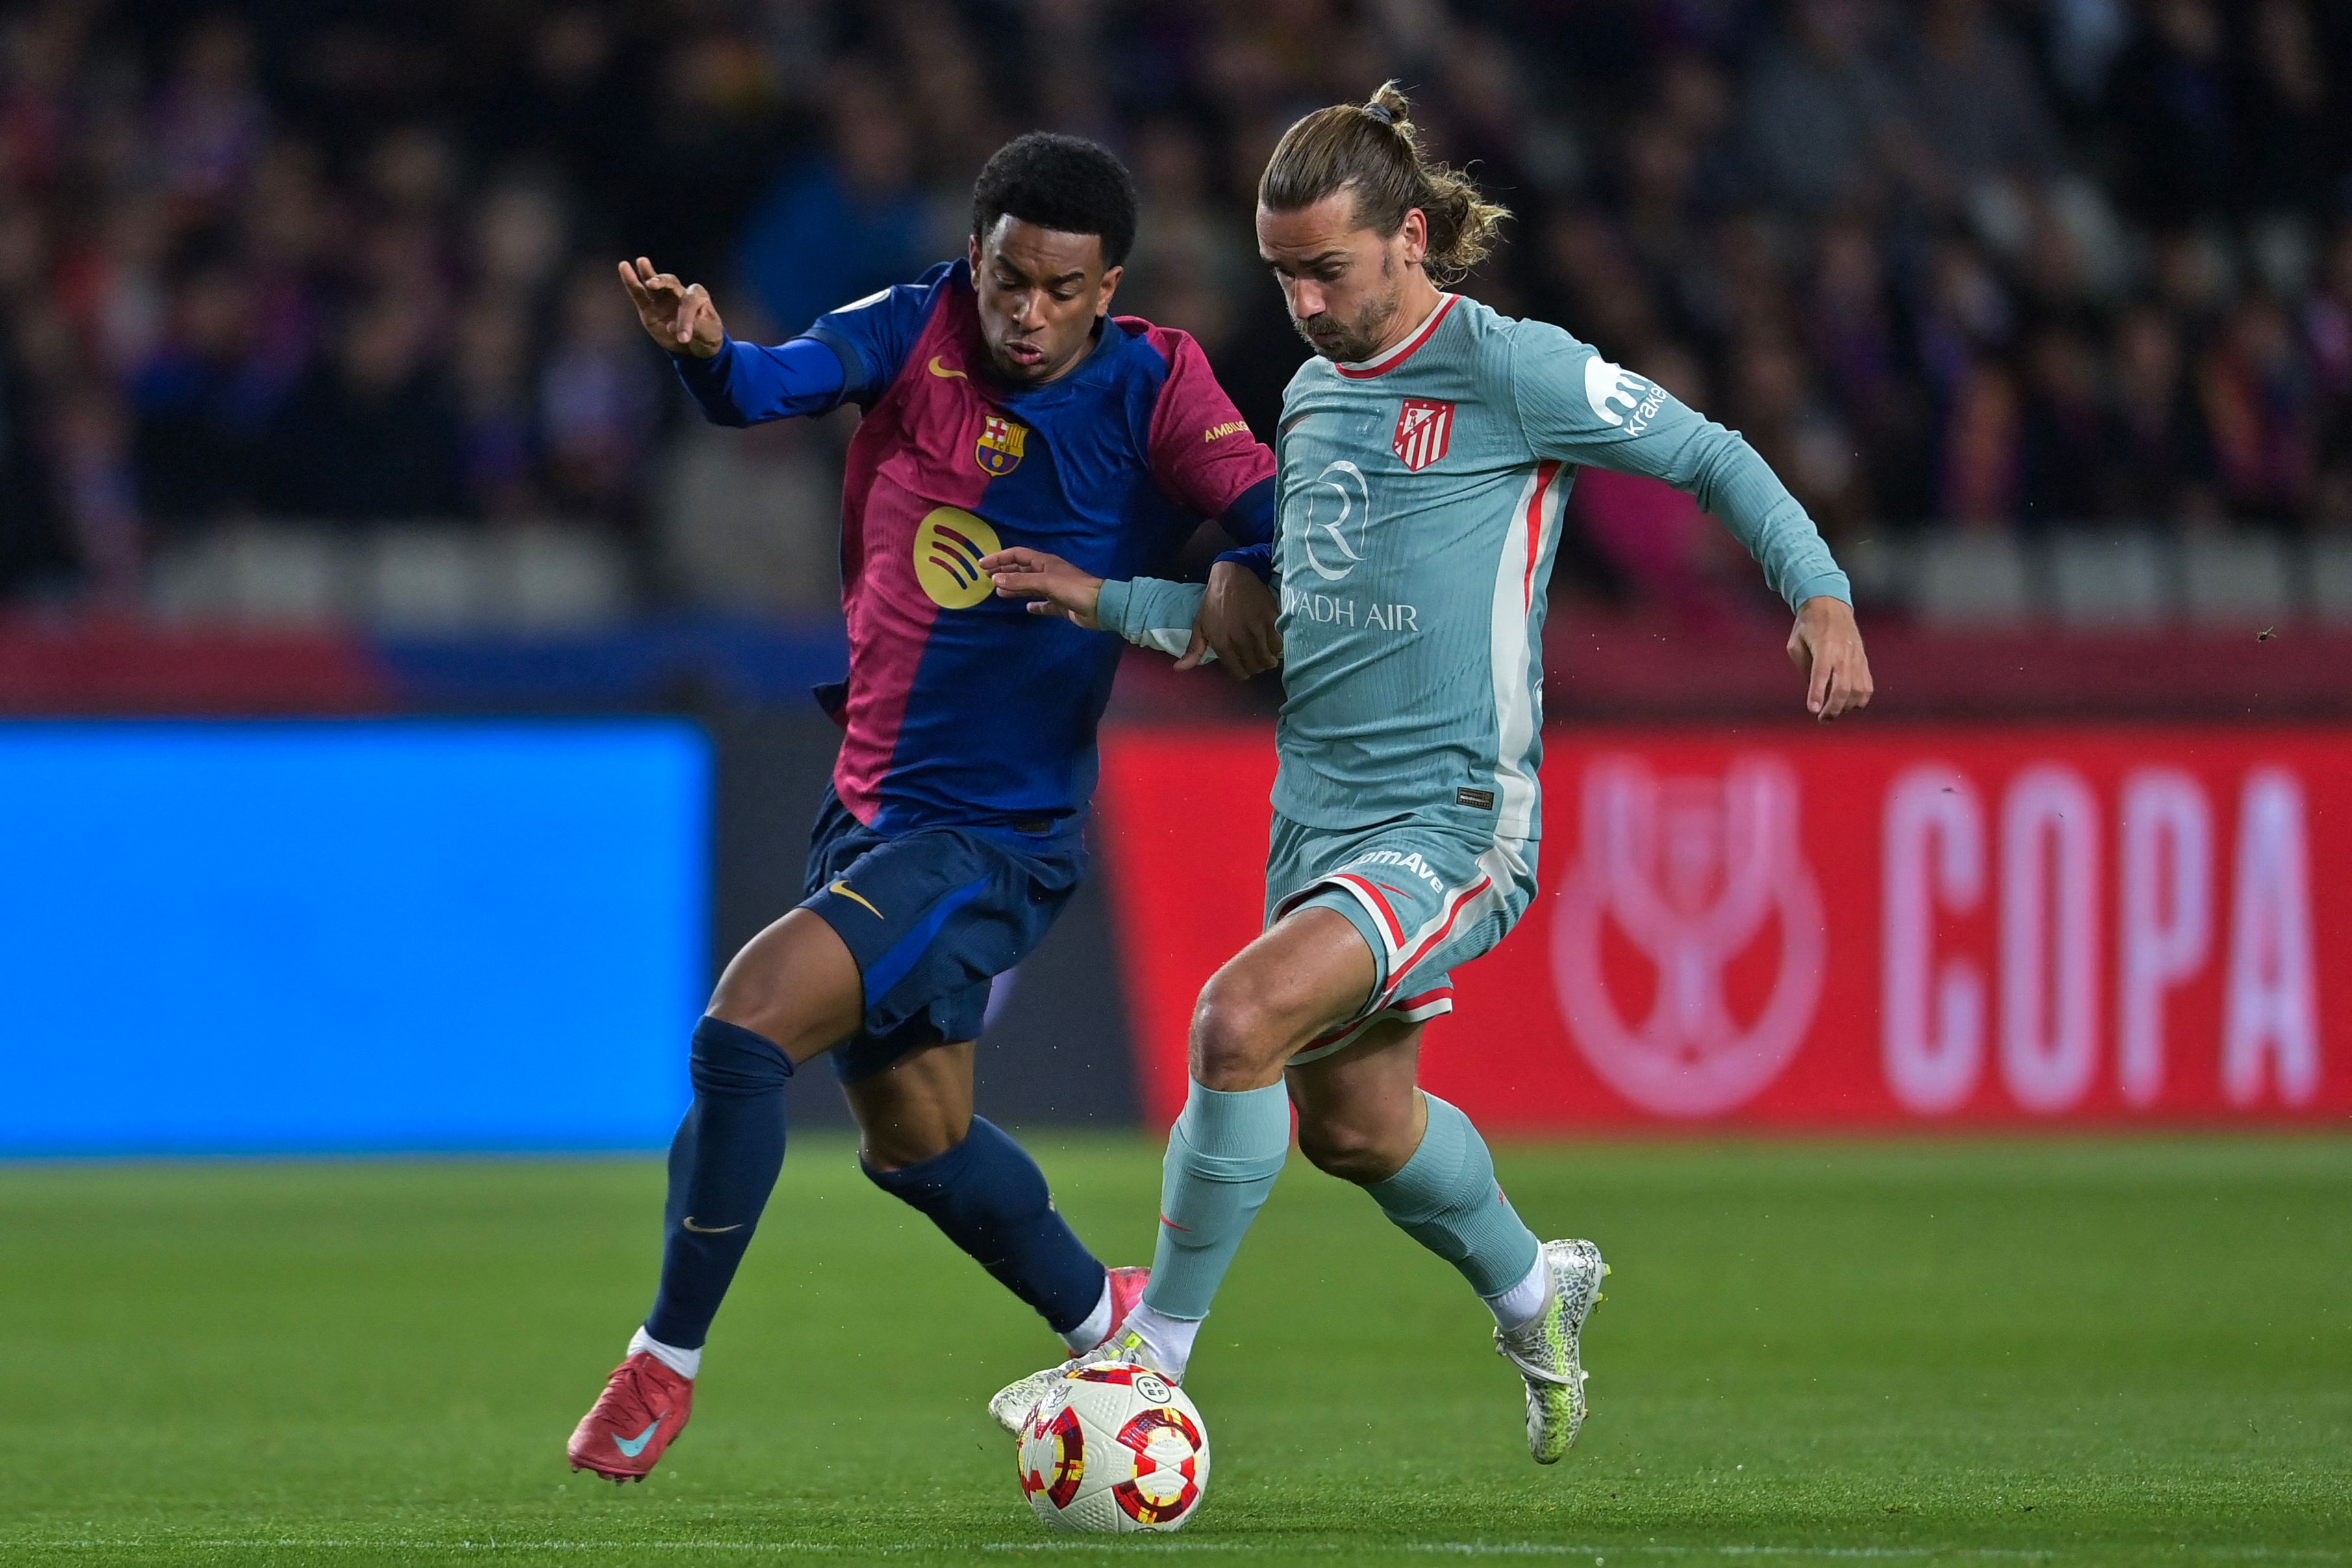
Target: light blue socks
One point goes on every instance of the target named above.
(1224, 1153)
(1448, 1199)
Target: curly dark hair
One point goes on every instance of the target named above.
(1056, 181)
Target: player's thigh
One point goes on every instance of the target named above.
(796, 984)
(1361, 1113)
(916, 1109)
(1307, 973)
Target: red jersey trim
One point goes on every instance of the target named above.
(1546, 472)
(1364, 369)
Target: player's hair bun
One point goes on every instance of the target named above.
(1373, 149)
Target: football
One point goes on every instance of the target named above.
(1114, 1449)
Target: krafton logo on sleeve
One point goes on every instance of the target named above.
(1608, 386)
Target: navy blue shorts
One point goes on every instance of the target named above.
(931, 916)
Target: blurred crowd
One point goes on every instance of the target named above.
(1980, 263)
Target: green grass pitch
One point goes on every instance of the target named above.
(2075, 1353)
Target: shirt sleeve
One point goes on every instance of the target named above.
(1152, 612)
(1203, 453)
(744, 384)
(1576, 406)
(872, 337)
(1251, 518)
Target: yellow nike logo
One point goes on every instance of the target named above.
(843, 888)
(708, 1230)
(939, 370)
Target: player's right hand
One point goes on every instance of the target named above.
(1057, 587)
(680, 316)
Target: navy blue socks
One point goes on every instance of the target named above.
(722, 1166)
(989, 1198)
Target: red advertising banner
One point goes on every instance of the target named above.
(1892, 928)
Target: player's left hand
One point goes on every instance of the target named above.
(1236, 623)
(1827, 646)
(1057, 587)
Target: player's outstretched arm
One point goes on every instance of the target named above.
(735, 383)
(1051, 585)
(1826, 646)
(677, 315)
(1146, 611)
(1575, 406)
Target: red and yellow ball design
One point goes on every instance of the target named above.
(1116, 1449)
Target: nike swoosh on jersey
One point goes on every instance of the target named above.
(843, 888)
(633, 1447)
(710, 1229)
(939, 370)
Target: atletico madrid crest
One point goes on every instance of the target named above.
(1001, 441)
(1423, 431)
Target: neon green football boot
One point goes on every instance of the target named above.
(1545, 1349)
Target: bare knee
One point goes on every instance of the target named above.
(797, 1030)
(892, 1136)
(1351, 1149)
(1238, 1041)
(914, 1110)
(794, 983)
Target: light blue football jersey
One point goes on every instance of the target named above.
(1420, 507)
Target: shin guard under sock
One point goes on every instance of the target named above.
(988, 1197)
(722, 1166)
(1223, 1154)
(1447, 1198)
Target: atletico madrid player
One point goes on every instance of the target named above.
(1425, 451)
(1002, 406)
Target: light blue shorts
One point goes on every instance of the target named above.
(1425, 895)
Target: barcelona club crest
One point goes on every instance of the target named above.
(1424, 430)
(1001, 440)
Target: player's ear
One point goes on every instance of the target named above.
(1414, 232)
(971, 249)
(1108, 287)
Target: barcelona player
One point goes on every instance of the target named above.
(1426, 454)
(1002, 407)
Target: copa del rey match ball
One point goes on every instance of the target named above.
(1116, 1449)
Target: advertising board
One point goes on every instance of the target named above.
(1871, 928)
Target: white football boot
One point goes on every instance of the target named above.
(1013, 1401)
(1545, 1349)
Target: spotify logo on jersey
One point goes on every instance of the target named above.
(948, 549)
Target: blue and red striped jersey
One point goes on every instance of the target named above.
(961, 707)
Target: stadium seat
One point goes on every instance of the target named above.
(425, 577)
(255, 574)
(557, 577)
(2233, 580)
(1972, 578)
(2111, 579)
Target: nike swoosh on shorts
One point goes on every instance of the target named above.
(844, 889)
